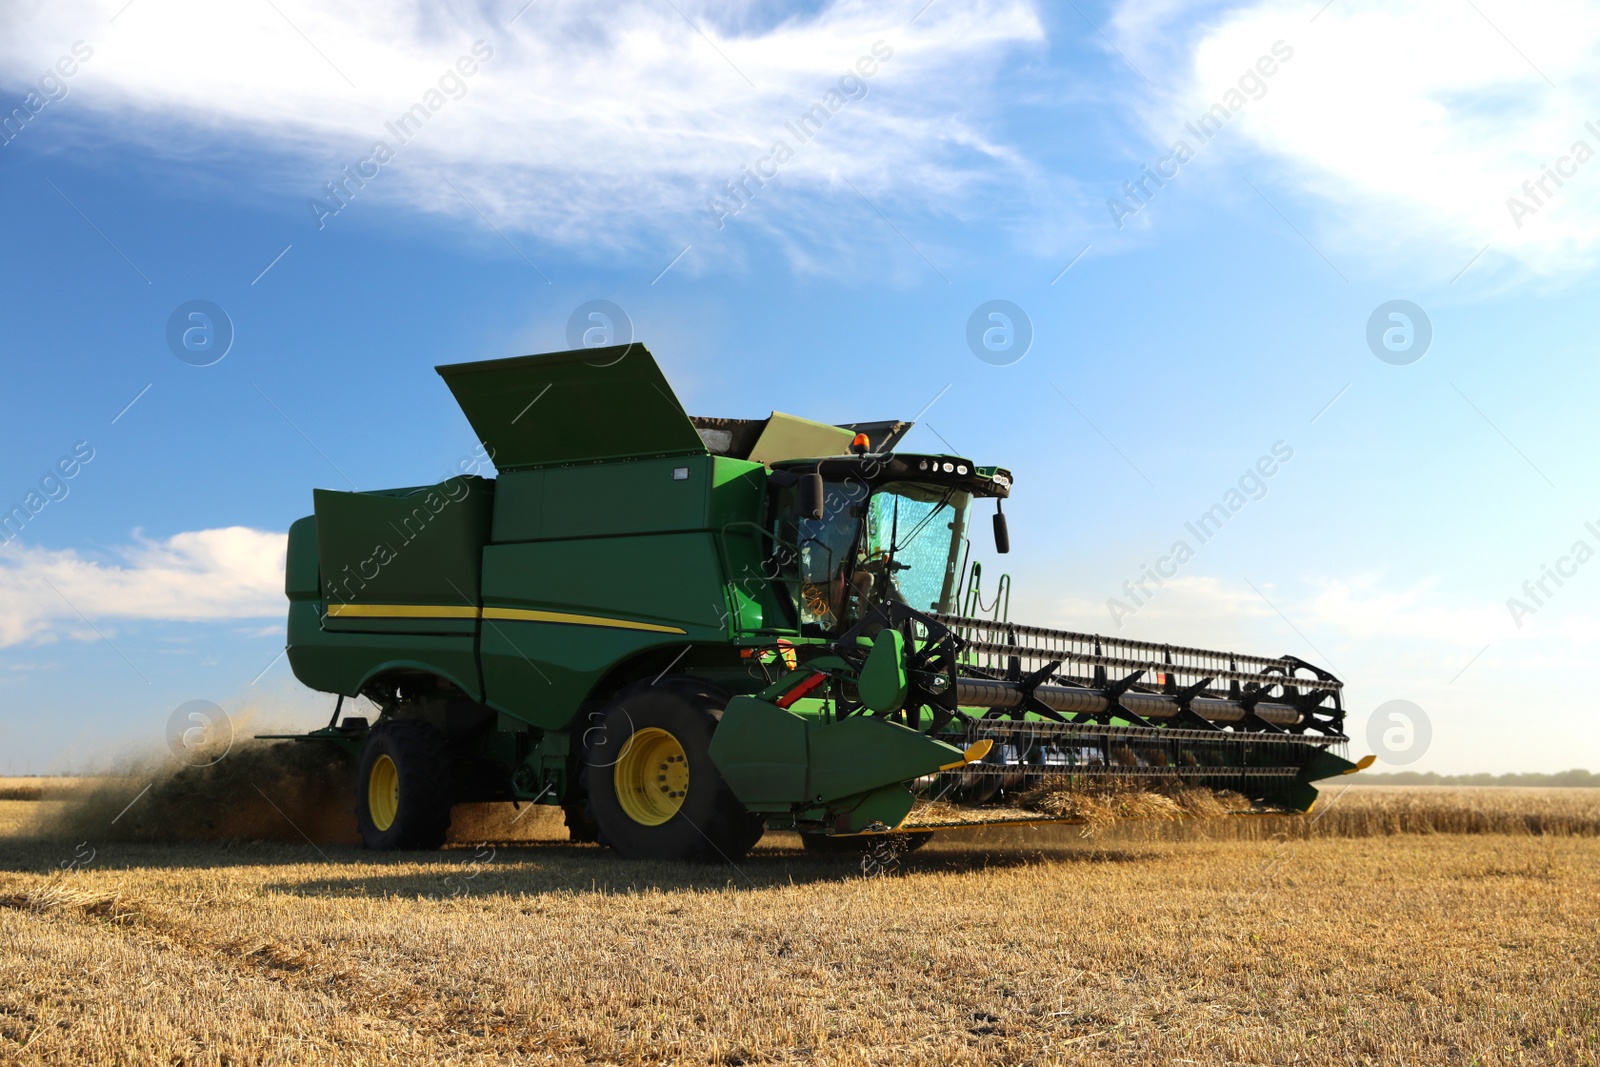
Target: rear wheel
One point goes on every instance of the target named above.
(581, 829)
(653, 791)
(403, 787)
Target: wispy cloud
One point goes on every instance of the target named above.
(1406, 127)
(592, 125)
(204, 575)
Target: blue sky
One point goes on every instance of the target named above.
(588, 155)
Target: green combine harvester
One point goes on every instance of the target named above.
(684, 631)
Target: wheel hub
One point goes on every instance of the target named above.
(652, 777)
(383, 792)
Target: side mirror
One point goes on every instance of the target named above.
(1002, 536)
(811, 494)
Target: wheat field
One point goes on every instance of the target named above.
(1397, 925)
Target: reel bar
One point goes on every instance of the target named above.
(995, 693)
(1010, 730)
(1123, 663)
(1045, 770)
(993, 640)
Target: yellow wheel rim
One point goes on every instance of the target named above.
(652, 777)
(383, 792)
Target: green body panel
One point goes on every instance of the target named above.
(604, 500)
(543, 671)
(409, 546)
(1299, 797)
(300, 569)
(669, 580)
(863, 753)
(772, 758)
(341, 662)
(1326, 765)
(885, 807)
(761, 751)
(738, 501)
(737, 490)
(572, 407)
(1302, 794)
(883, 678)
(569, 551)
(635, 542)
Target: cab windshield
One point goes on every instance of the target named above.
(902, 543)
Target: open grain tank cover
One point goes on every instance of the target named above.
(582, 406)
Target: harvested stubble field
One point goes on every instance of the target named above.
(1398, 926)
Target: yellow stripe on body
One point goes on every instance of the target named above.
(529, 615)
(402, 611)
(457, 611)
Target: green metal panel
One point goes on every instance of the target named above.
(1298, 797)
(658, 580)
(883, 676)
(411, 547)
(334, 662)
(738, 513)
(738, 489)
(758, 745)
(604, 499)
(543, 670)
(1327, 764)
(748, 609)
(518, 506)
(862, 753)
(1302, 794)
(543, 673)
(885, 806)
(573, 407)
(760, 749)
(404, 547)
(300, 565)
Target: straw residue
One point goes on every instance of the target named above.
(260, 790)
(1099, 808)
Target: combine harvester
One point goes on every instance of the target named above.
(686, 630)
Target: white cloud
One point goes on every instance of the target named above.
(1361, 609)
(204, 575)
(593, 125)
(1412, 123)
(1198, 610)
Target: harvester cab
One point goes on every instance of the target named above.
(884, 528)
(683, 631)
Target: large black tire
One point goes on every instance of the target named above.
(421, 787)
(691, 815)
(581, 829)
(755, 830)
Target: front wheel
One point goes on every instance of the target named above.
(653, 790)
(403, 790)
